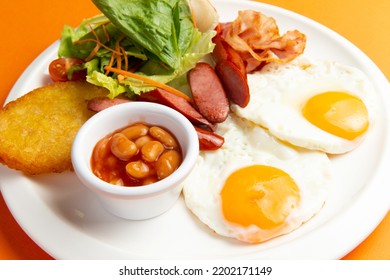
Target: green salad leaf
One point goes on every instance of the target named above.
(162, 27)
(153, 38)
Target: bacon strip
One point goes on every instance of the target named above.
(256, 38)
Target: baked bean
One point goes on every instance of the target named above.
(149, 180)
(152, 150)
(142, 141)
(111, 161)
(101, 151)
(117, 181)
(136, 155)
(137, 169)
(135, 131)
(168, 162)
(163, 136)
(122, 147)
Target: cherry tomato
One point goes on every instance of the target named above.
(59, 68)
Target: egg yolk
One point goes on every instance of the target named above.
(259, 195)
(338, 113)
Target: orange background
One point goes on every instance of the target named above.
(29, 27)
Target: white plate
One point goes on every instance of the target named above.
(67, 221)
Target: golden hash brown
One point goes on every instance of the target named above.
(37, 129)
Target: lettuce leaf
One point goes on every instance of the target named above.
(109, 83)
(162, 27)
(200, 45)
(158, 38)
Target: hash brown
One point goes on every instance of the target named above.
(37, 129)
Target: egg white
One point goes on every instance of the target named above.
(247, 144)
(279, 91)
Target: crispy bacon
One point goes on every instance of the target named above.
(256, 38)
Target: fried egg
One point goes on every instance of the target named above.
(255, 187)
(321, 105)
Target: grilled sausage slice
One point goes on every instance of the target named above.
(208, 93)
(100, 103)
(234, 83)
(223, 51)
(209, 141)
(178, 103)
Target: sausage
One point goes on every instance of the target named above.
(234, 83)
(209, 141)
(208, 93)
(98, 104)
(231, 70)
(176, 102)
(223, 51)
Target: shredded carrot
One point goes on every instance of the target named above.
(119, 61)
(116, 56)
(93, 31)
(121, 38)
(93, 52)
(105, 32)
(149, 82)
(119, 51)
(97, 42)
(111, 62)
(126, 60)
